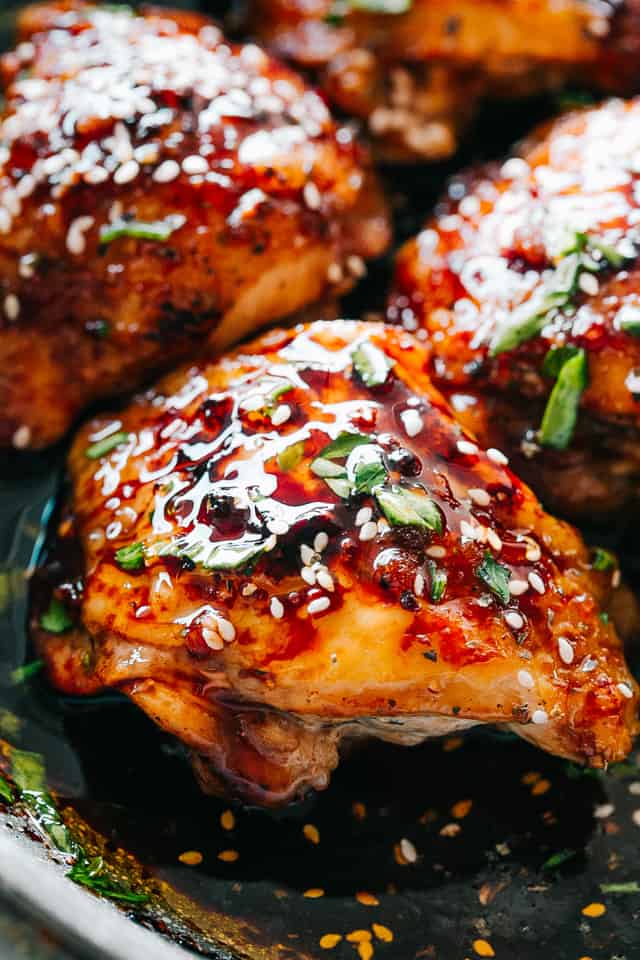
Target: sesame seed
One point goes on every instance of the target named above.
(367, 899)
(536, 581)
(525, 679)
(467, 531)
(383, 526)
(227, 630)
(533, 553)
(518, 587)
(363, 516)
(418, 585)
(635, 816)
(481, 497)
(312, 196)
(634, 788)
(603, 810)
(212, 639)
(276, 608)
(228, 856)
(412, 422)
(308, 574)
(279, 527)
(356, 266)
(11, 306)
(270, 542)
(166, 172)
(313, 893)
(368, 530)
(126, 173)
(75, 234)
(616, 579)
(96, 175)
(194, 164)
(437, 553)
(227, 820)
(466, 447)
(306, 553)
(281, 414)
(320, 542)
(311, 833)
(192, 858)
(497, 456)
(319, 605)
(588, 283)
(21, 437)
(330, 940)
(325, 580)
(514, 620)
(539, 716)
(334, 273)
(382, 933)
(408, 850)
(249, 589)
(625, 690)
(565, 650)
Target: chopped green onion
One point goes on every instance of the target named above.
(561, 412)
(6, 793)
(392, 7)
(628, 320)
(495, 576)
(511, 335)
(159, 230)
(632, 886)
(233, 556)
(340, 486)
(56, 619)
(28, 773)
(327, 468)
(604, 617)
(557, 859)
(131, 557)
(26, 671)
(603, 559)
(403, 508)
(556, 358)
(438, 578)
(102, 447)
(371, 364)
(91, 873)
(291, 456)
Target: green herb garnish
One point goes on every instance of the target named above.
(371, 364)
(403, 508)
(233, 556)
(632, 886)
(340, 8)
(28, 773)
(368, 476)
(343, 445)
(26, 671)
(130, 557)
(603, 617)
(92, 873)
(438, 578)
(628, 320)
(6, 792)
(291, 456)
(495, 576)
(557, 859)
(603, 560)
(102, 447)
(561, 412)
(159, 230)
(556, 358)
(56, 619)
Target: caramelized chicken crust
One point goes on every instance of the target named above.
(299, 544)
(527, 286)
(416, 72)
(159, 189)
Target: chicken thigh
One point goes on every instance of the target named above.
(415, 70)
(159, 189)
(297, 544)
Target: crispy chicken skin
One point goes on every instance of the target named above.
(416, 77)
(537, 254)
(298, 544)
(159, 189)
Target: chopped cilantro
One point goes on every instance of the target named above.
(561, 412)
(371, 364)
(92, 873)
(102, 447)
(403, 508)
(343, 445)
(495, 576)
(438, 578)
(603, 560)
(632, 886)
(56, 619)
(369, 475)
(28, 773)
(6, 791)
(556, 358)
(131, 557)
(26, 671)
(159, 230)
(557, 859)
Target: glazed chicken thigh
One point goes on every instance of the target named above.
(297, 544)
(526, 286)
(415, 70)
(159, 189)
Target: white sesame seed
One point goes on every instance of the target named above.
(481, 497)
(467, 531)
(363, 515)
(603, 810)
(588, 664)
(588, 283)
(325, 580)
(249, 589)
(368, 530)
(497, 456)
(418, 585)
(194, 164)
(126, 173)
(466, 447)
(635, 816)
(356, 266)
(21, 437)
(634, 788)
(514, 620)
(319, 605)
(312, 196)
(536, 581)
(334, 273)
(75, 234)
(270, 543)
(436, 552)
(525, 679)
(320, 542)
(412, 422)
(11, 306)
(383, 526)
(281, 414)
(625, 690)
(308, 574)
(212, 639)
(306, 553)
(616, 579)
(276, 608)
(565, 650)
(408, 850)
(95, 175)
(142, 611)
(227, 630)
(279, 527)
(533, 553)
(166, 172)
(539, 716)
(518, 587)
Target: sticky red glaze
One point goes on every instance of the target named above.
(343, 627)
(112, 116)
